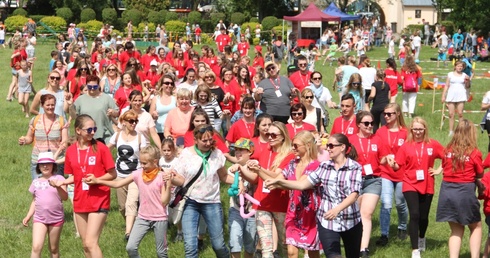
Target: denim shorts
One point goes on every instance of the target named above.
(371, 186)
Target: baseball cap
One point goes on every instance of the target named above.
(246, 144)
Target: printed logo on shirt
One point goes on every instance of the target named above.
(400, 142)
(91, 160)
(374, 147)
(350, 130)
(429, 151)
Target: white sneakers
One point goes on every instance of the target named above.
(415, 254)
(421, 244)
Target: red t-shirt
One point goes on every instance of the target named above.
(260, 147)
(146, 60)
(198, 31)
(180, 66)
(234, 90)
(343, 126)
(258, 62)
(473, 168)
(97, 196)
(243, 48)
(391, 141)
(153, 77)
(124, 58)
(393, 79)
(220, 144)
(275, 200)
(222, 40)
(122, 94)
(15, 62)
(369, 153)
(415, 75)
(240, 129)
(299, 80)
(486, 194)
(292, 130)
(418, 156)
(75, 85)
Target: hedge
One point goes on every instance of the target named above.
(65, 13)
(171, 16)
(155, 17)
(87, 14)
(151, 28)
(254, 19)
(132, 15)
(15, 22)
(56, 23)
(175, 27)
(252, 28)
(238, 18)
(194, 17)
(215, 17)
(94, 25)
(109, 16)
(20, 11)
(269, 22)
(449, 27)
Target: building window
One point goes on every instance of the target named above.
(418, 13)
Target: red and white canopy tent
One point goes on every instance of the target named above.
(311, 13)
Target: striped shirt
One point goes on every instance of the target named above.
(337, 185)
(212, 108)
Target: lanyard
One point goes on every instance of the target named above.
(47, 131)
(278, 83)
(250, 135)
(269, 161)
(419, 158)
(84, 166)
(392, 143)
(350, 122)
(303, 81)
(294, 128)
(365, 154)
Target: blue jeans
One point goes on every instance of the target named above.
(213, 216)
(140, 228)
(387, 189)
(242, 232)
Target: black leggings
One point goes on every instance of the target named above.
(331, 241)
(378, 117)
(487, 126)
(418, 207)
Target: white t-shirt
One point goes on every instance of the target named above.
(127, 159)
(486, 100)
(167, 165)
(368, 75)
(416, 41)
(444, 40)
(2, 34)
(391, 47)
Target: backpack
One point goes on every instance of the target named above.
(409, 82)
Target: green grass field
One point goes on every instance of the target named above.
(15, 177)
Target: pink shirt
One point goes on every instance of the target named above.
(178, 122)
(151, 207)
(49, 208)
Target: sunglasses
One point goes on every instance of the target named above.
(308, 97)
(270, 68)
(272, 135)
(331, 145)
(55, 78)
(297, 113)
(356, 83)
(91, 129)
(418, 129)
(367, 123)
(132, 121)
(209, 77)
(111, 70)
(206, 129)
(83, 69)
(316, 78)
(92, 87)
(296, 146)
(389, 114)
(228, 74)
(168, 83)
(301, 65)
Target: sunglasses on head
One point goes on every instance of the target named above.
(56, 78)
(90, 129)
(389, 114)
(132, 121)
(331, 145)
(272, 135)
(367, 123)
(206, 129)
(168, 83)
(92, 87)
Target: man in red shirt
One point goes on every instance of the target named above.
(222, 40)
(124, 56)
(346, 123)
(198, 32)
(243, 46)
(301, 78)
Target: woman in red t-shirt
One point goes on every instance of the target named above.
(393, 78)
(79, 79)
(200, 117)
(370, 152)
(298, 114)
(260, 139)
(458, 205)
(258, 59)
(244, 127)
(179, 63)
(273, 203)
(91, 204)
(416, 157)
(122, 94)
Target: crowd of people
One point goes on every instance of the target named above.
(175, 117)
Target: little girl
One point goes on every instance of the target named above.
(46, 207)
(169, 152)
(152, 213)
(24, 86)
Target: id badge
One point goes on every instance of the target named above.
(278, 93)
(85, 186)
(391, 156)
(350, 130)
(420, 174)
(265, 189)
(368, 170)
